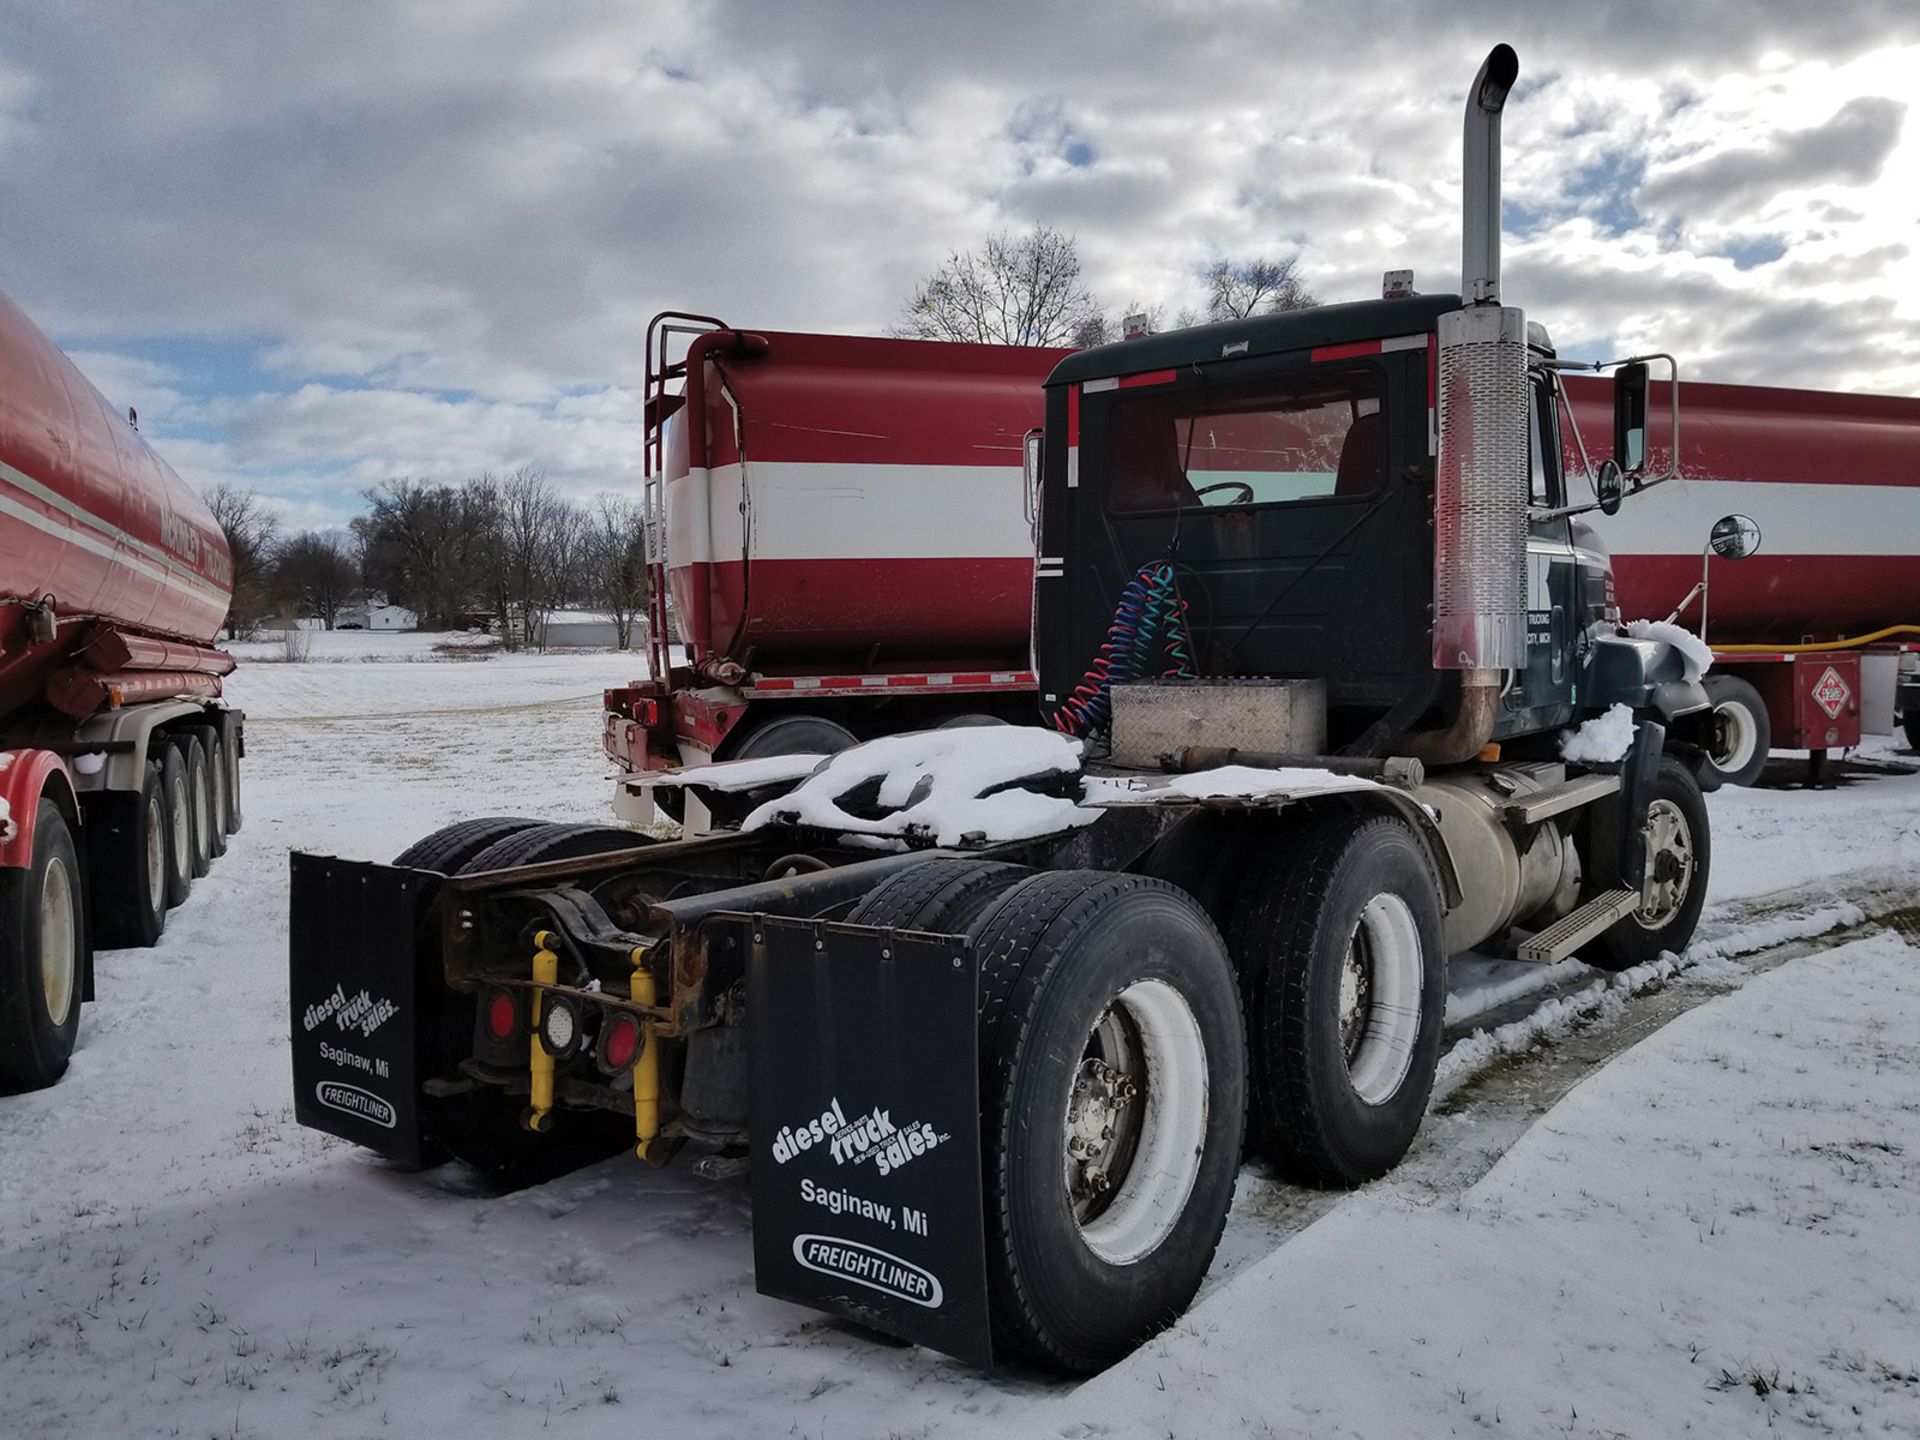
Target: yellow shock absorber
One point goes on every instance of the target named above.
(546, 971)
(646, 1070)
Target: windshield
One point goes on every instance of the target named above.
(1309, 436)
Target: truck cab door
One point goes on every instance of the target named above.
(1543, 695)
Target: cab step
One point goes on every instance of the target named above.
(1570, 932)
(1558, 799)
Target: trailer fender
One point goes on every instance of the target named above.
(26, 776)
(125, 736)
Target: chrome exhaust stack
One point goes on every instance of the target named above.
(1481, 474)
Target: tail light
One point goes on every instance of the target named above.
(502, 1014)
(620, 1043)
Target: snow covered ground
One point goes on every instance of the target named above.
(178, 1257)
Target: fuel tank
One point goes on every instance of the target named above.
(1833, 480)
(90, 518)
(842, 500)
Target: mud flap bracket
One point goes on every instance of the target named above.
(863, 1049)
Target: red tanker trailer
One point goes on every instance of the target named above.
(848, 547)
(848, 544)
(1810, 634)
(119, 767)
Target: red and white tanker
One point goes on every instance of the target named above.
(848, 547)
(848, 544)
(1810, 635)
(118, 763)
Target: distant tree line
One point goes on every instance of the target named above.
(501, 550)
(1027, 290)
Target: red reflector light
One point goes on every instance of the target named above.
(619, 1043)
(503, 1016)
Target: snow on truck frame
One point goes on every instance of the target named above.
(119, 765)
(987, 1012)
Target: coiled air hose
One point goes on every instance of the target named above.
(1152, 614)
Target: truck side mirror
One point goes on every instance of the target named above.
(1030, 472)
(1609, 487)
(1734, 537)
(1630, 384)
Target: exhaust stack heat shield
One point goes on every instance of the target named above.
(1481, 492)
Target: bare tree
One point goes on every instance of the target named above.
(417, 542)
(313, 572)
(540, 539)
(252, 532)
(617, 561)
(1014, 290)
(1237, 290)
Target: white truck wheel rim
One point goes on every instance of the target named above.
(1736, 737)
(1380, 985)
(182, 824)
(156, 854)
(57, 940)
(1669, 852)
(1144, 1083)
(202, 813)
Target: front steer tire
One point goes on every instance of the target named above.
(1677, 816)
(1343, 968)
(1069, 961)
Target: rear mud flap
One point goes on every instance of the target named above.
(864, 1054)
(351, 980)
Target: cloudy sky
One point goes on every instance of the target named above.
(319, 245)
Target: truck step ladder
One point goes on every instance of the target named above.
(1570, 932)
(1558, 799)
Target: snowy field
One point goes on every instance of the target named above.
(1713, 1234)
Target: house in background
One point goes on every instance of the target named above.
(375, 615)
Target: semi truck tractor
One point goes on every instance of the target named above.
(119, 765)
(875, 531)
(987, 1013)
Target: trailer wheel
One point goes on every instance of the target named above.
(538, 843)
(451, 846)
(127, 846)
(1740, 732)
(1679, 851)
(199, 803)
(43, 948)
(234, 813)
(216, 752)
(943, 895)
(1344, 974)
(179, 806)
(1112, 1091)
(795, 735)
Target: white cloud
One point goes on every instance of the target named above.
(444, 227)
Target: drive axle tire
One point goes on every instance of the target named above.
(943, 895)
(43, 952)
(1112, 1095)
(1343, 969)
(1910, 723)
(451, 846)
(127, 839)
(539, 843)
(179, 806)
(1680, 848)
(1740, 732)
